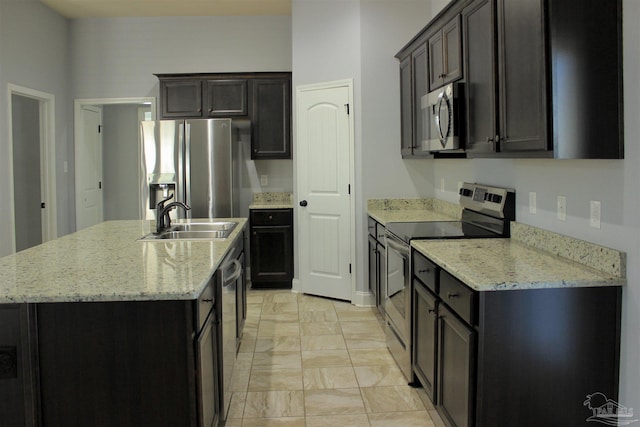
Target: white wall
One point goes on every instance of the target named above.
(34, 54)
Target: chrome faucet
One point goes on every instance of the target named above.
(163, 220)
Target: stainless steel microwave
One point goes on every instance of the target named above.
(442, 120)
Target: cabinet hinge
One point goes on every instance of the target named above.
(43, 205)
(349, 268)
(347, 106)
(99, 128)
(349, 189)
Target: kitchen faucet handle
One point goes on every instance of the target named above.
(161, 203)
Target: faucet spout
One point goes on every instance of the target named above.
(163, 220)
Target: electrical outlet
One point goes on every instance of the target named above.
(562, 208)
(532, 202)
(442, 184)
(264, 180)
(65, 165)
(595, 209)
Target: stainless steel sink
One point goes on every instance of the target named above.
(194, 231)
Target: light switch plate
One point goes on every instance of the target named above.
(562, 208)
(442, 184)
(264, 180)
(595, 214)
(532, 202)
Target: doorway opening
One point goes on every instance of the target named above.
(33, 169)
(117, 157)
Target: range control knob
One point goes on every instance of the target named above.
(466, 192)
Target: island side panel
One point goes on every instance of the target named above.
(117, 364)
(542, 351)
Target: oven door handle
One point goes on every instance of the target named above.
(395, 245)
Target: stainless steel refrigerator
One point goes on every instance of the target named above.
(191, 159)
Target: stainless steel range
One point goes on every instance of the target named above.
(487, 212)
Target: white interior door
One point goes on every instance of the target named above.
(89, 170)
(324, 141)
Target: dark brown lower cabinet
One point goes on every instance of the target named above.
(19, 406)
(271, 248)
(524, 357)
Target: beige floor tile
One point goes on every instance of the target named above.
(282, 343)
(318, 316)
(333, 402)
(325, 358)
(358, 420)
(247, 344)
(377, 376)
(240, 379)
(254, 297)
(236, 407)
(275, 379)
(371, 356)
(279, 307)
(288, 316)
(274, 422)
(274, 404)
(328, 378)
(307, 303)
(233, 422)
(250, 331)
(343, 305)
(358, 313)
(280, 296)
(272, 328)
(391, 399)
(320, 328)
(323, 342)
(243, 361)
(277, 360)
(404, 419)
(366, 342)
(361, 328)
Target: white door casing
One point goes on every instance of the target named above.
(47, 161)
(88, 167)
(324, 153)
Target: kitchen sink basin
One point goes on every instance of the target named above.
(194, 231)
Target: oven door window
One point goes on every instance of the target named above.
(397, 274)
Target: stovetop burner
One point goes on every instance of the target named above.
(408, 231)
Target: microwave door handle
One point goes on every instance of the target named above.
(441, 101)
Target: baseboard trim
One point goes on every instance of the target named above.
(364, 299)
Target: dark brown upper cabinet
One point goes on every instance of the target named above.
(226, 98)
(541, 78)
(445, 55)
(181, 98)
(264, 98)
(271, 119)
(413, 86)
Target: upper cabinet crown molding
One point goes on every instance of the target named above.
(542, 78)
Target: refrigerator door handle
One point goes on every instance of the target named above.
(186, 175)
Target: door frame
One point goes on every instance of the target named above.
(48, 187)
(356, 298)
(78, 129)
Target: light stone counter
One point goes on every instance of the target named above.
(409, 210)
(107, 263)
(268, 200)
(505, 264)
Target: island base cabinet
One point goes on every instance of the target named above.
(18, 382)
(117, 364)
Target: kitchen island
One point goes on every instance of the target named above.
(98, 328)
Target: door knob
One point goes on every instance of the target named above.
(303, 203)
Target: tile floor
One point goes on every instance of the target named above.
(308, 361)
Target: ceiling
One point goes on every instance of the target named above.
(114, 8)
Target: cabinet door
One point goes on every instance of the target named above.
(436, 63)
(480, 88)
(181, 98)
(425, 338)
(456, 369)
(207, 362)
(226, 98)
(406, 108)
(522, 81)
(452, 51)
(271, 118)
(420, 81)
(271, 253)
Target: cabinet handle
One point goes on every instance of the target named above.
(428, 270)
(199, 110)
(450, 295)
(432, 312)
(209, 300)
(380, 236)
(270, 217)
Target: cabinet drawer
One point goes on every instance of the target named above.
(371, 227)
(459, 297)
(205, 303)
(425, 270)
(380, 233)
(271, 217)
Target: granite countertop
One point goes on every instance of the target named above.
(272, 200)
(524, 262)
(409, 210)
(106, 262)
